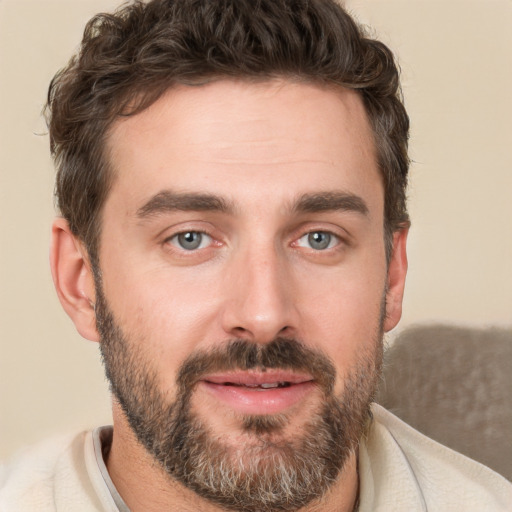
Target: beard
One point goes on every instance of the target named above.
(272, 471)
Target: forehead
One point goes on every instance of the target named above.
(231, 137)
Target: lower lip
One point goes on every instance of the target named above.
(259, 401)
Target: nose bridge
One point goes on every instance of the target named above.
(260, 303)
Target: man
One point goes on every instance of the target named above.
(231, 182)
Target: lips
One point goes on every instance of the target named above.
(257, 378)
(269, 392)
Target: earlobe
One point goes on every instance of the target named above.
(397, 271)
(73, 279)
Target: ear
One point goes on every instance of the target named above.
(73, 279)
(397, 271)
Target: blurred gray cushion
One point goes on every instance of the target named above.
(455, 385)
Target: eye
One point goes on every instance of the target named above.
(318, 240)
(191, 240)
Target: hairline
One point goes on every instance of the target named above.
(143, 101)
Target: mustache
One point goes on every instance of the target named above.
(280, 353)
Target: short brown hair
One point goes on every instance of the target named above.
(128, 59)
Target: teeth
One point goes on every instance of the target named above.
(275, 385)
(264, 385)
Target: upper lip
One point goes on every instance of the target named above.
(256, 378)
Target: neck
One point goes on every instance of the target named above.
(146, 487)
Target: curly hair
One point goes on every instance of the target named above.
(128, 59)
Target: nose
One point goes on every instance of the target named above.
(259, 303)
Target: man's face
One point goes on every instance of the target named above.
(243, 274)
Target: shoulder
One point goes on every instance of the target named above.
(39, 477)
(400, 465)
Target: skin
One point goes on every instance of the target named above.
(260, 147)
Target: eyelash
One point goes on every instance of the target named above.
(177, 236)
(208, 242)
(332, 242)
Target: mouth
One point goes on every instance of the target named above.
(259, 393)
(262, 386)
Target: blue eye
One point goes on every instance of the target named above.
(191, 240)
(318, 240)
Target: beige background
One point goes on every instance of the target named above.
(457, 78)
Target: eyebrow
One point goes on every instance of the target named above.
(331, 201)
(168, 201)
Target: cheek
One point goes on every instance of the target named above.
(342, 315)
(171, 314)
(347, 314)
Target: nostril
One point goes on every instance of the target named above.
(285, 331)
(240, 330)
